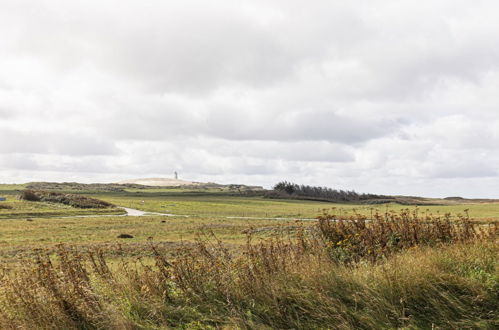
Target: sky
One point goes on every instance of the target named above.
(378, 96)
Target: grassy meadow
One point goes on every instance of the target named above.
(246, 262)
(219, 204)
(31, 225)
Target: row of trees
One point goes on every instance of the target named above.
(321, 193)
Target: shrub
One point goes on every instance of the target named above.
(357, 237)
(125, 236)
(73, 200)
(29, 195)
(286, 189)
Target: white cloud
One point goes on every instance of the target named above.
(382, 96)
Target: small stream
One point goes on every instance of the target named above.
(138, 213)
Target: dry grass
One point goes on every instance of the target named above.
(357, 237)
(445, 278)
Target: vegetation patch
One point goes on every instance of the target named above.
(357, 237)
(82, 187)
(289, 190)
(286, 189)
(125, 236)
(73, 200)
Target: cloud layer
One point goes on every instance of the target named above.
(394, 97)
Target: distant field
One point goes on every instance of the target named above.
(11, 187)
(218, 204)
(228, 216)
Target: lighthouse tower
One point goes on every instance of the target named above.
(175, 175)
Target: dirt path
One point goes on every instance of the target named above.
(139, 213)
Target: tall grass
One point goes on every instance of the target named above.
(359, 237)
(428, 272)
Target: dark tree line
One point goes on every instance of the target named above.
(288, 189)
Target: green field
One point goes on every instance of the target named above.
(228, 216)
(224, 205)
(31, 225)
(218, 204)
(221, 203)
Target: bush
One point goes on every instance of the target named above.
(286, 189)
(73, 200)
(357, 238)
(125, 236)
(29, 195)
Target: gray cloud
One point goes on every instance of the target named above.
(5, 113)
(294, 126)
(57, 164)
(64, 143)
(309, 151)
(381, 96)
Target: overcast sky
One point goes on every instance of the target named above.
(389, 96)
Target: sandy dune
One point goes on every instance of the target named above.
(162, 182)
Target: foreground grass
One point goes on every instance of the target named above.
(427, 273)
(449, 288)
